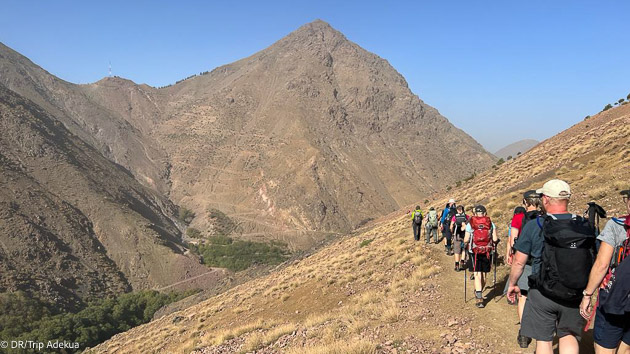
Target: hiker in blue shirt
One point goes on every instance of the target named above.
(445, 225)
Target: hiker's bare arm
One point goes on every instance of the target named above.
(467, 237)
(518, 263)
(510, 243)
(495, 237)
(600, 268)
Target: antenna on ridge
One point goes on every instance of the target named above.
(110, 69)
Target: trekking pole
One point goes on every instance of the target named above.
(465, 283)
(494, 282)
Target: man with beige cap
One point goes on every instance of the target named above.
(551, 306)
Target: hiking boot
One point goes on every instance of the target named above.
(462, 265)
(457, 269)
(523, 341)
(480, 304)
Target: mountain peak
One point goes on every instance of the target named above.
(317, 29)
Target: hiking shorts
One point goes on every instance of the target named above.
(483, 263)
(609, 330)
(542, 317)
(458, 242)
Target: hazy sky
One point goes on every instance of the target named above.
(500, 70)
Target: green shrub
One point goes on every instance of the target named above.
(500, 162)
(25, 318)
(509, 157)
(607, 107)
(223, 225)
(238, 255)
(192, 232)
(186, 215)
(365, 242)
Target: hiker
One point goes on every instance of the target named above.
(530, 211)
(458, 230)
(416, 222)
(431, 222)
(561, 246)
(612, 318)
(445, 223)
(480, 238)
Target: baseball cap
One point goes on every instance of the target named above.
(531, 194)
(480, 209)
(556, 188)
(625, 192)
(451, 200)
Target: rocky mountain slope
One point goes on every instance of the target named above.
(376, 289)
(73, 225)
(516, 148)
(310, 136)
(117, 128)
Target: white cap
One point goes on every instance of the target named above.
(556, 188)
(451, 200)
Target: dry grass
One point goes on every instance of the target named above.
(338, 347)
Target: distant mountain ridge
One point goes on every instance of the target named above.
(514, 149)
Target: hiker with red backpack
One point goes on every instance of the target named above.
(562, 247)
(480, 239)
(611, 274)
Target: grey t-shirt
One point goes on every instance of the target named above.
(613, 234)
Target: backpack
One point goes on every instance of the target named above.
(460, 219)
(417, 217)
(449, 216)
(529, 215)
(567, 258)
(593, 213)
(614, 298)
(433, 219)
(481, 237)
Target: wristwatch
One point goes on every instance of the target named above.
(586, 294)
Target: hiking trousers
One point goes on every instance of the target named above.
(431, 231)
(447, 234)
(417, 228)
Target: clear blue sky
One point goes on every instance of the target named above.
(500, 70)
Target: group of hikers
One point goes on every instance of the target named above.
(558, 262)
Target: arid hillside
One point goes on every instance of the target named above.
(377, 290)
(73, 225)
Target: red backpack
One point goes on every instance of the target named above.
(481, 237)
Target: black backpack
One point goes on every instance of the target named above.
(417, 217)
(449, 216)
(567, 258)
(460, 219)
